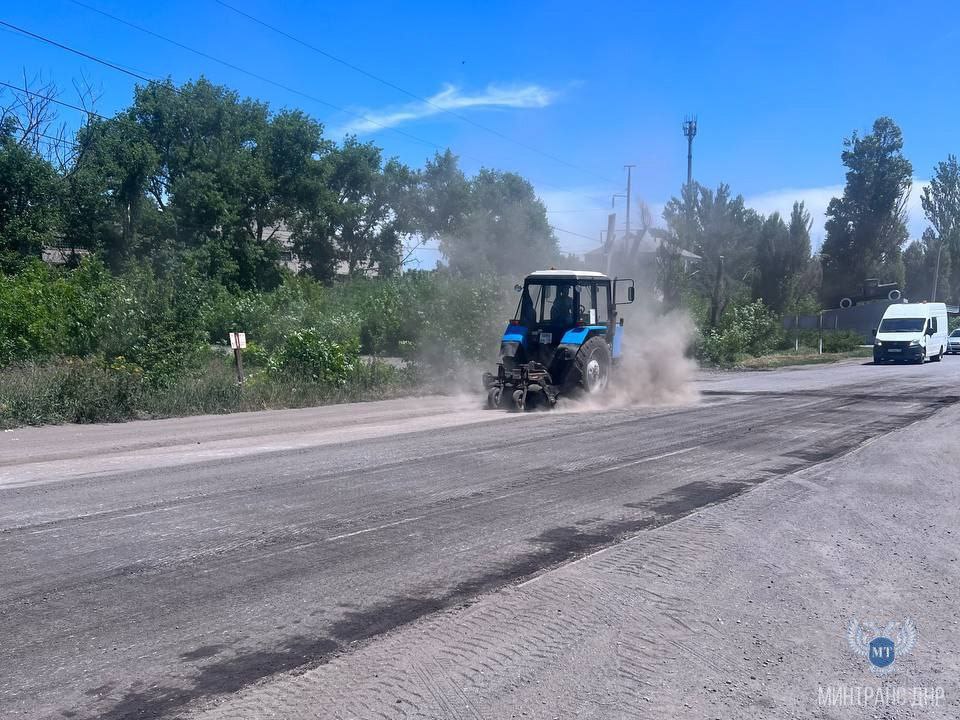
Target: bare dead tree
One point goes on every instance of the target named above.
(646, 222)
(31, 113)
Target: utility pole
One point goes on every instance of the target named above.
(936, 274)
(629, 169)
(690, 132)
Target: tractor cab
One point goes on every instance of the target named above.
(560, 312)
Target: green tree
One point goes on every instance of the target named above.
(362, 214)
(107, 189)
(29, 214)
(444, 197)
(807, 275)
(719, 228)
(920, 267)
(783, 254)
(941, 204)
(506, 228)
(866, 228)
(196, 171)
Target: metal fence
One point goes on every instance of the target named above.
(862, 319)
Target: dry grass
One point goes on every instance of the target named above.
(804, 357)
(84, 391)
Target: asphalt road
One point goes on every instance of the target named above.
(149, 568)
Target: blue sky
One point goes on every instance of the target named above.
(776, 87)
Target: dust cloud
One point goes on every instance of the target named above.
(654, 368)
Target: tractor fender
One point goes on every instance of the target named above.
(515, 334)
(570, 345)
(514, 338)
(575, 337)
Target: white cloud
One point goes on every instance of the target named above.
(816, 200)
(451, 98)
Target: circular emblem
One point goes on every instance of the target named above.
(881, 652)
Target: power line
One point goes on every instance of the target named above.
(575, 234)
(274, 83)
(247, 72)
(144, 78)
(138, 76)
(394, 86)
(88, 56)
(55, 139)
(51, 99)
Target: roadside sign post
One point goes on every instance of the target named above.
(238, 341)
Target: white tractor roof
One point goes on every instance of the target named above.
(566, 275)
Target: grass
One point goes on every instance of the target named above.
(86, 391)
(804, 357)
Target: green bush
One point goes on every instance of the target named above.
(85, 344)
(835, 341)
(45, 312)
(745, 329)
(313, 354)
(463, 321)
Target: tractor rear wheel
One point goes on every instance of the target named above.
(593, 361)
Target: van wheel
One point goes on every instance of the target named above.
(938, 358)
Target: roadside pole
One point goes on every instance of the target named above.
(796, 325)
(820, 333)
(238, 341)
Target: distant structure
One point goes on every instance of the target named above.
(690, 132)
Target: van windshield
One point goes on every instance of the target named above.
(955, 333)
(902, 325)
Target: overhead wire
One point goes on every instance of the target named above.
(398, 88)
(301, 93)
(145, 78)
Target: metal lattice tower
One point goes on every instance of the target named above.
(690, 132)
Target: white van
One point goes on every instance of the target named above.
(912, 332)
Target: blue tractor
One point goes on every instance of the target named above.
(564, 340)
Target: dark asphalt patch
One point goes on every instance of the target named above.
(202, 653)
(226, 676)
(685, 499)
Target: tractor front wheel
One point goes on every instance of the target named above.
(494, 396)
(593, 361)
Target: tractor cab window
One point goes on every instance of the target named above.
(559, 306)
(527, 312)
(593, 304)
(548, 304)
(564, 303)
